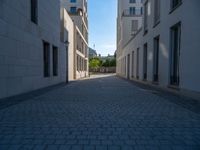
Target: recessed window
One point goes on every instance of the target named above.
(34, 11)
(133, 65)
(55, 61)
(134, 25)
(156, 11)
(72, 9)
(146, 16)
(138, 64)
(175, 3)
(175, 54)
(132, 10)
(145, 54)
(132, 1)
(73, 1)
(46, 59)
(156, 59)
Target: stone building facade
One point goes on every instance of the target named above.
(164, 51)
(31, 54)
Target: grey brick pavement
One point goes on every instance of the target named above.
(99, 114)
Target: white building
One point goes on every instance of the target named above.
(165, 50)
(129, 20)
(77, 9)
(31, 54)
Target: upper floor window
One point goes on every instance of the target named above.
(73, 1)
(138, 11)
(134, 25)
(132, 1)
(73, 9)
(175, 3)
(156, 11)
(146, 16)
(132, 10)
(34, 11)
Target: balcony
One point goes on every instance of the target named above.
(128, 13)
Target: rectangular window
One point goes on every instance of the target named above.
(132, 1)
(156, 11)
(132, 10)
(138, 63)
(175, 54)
(34, 11)
(146, 16)
(73, 1)
(128, 66)
(175, 3)
(72, 9)
(55, 61)
(138, 11)
(46, 59)
(133, 64)
(156, 59)
(145, 54)
(134, 25)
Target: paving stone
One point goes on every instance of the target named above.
(105, 112)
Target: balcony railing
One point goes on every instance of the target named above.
(128, 13)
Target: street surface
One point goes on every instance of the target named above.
(100, 113)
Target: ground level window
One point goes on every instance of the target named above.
(175, 54)
(55, 61)
(46, 59)
(145, 62)
(156, 59)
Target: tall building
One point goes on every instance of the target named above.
(31, 54)
(129, 20)
(77, 10)
(165, 51)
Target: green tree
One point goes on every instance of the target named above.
(95, 63)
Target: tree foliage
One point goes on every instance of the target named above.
(109, 63)
(95, 63)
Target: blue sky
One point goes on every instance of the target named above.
(102, 25)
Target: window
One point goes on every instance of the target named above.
(134, 25)
(46, 59)
(138, 11)
(175, 54)
(34, 11)
(128, 66)
(156, 59)
(156, 11)
(73, 1)
(146, 16)
(132, 1)
(138, 63)
(133, 64)
(55, 61)
(145, 54)
(132, 10)
(72, 9)
(175, 3)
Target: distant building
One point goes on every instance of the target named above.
(129, 20)
(77, 10)
(92, 53)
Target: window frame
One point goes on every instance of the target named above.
(34, 11)
(55, 60)
(46, 59)
(173, 8)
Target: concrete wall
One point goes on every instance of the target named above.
(21, 46)
(187, 13)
